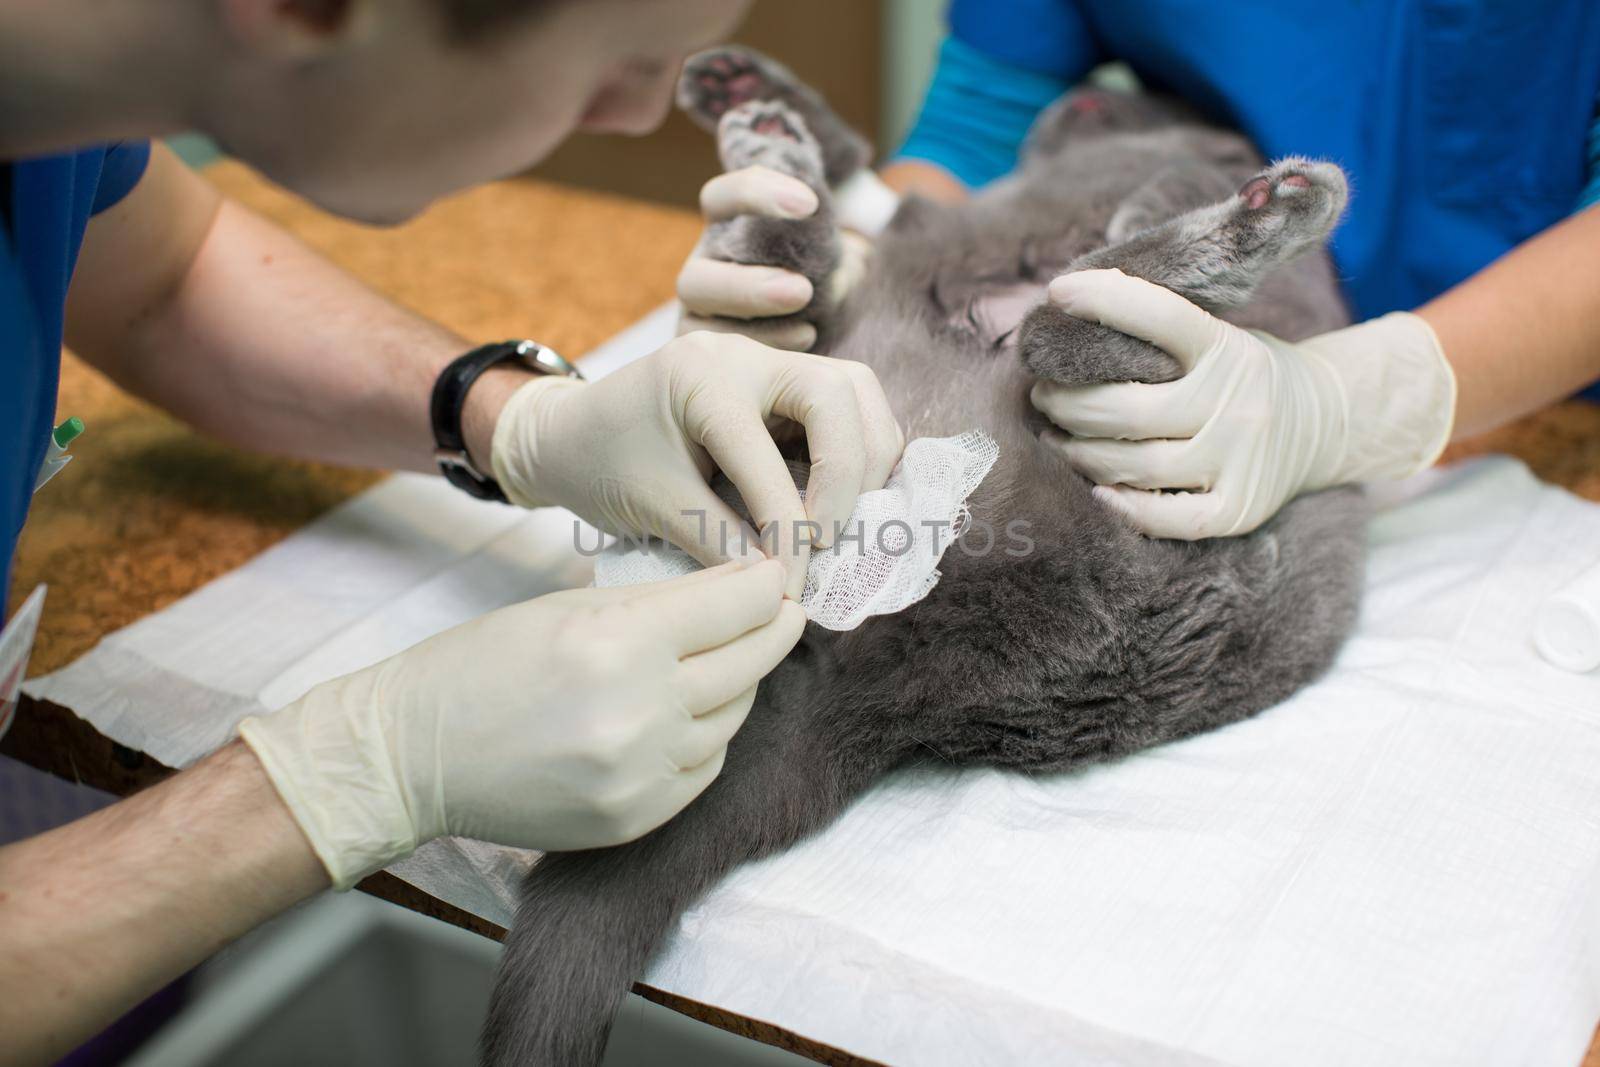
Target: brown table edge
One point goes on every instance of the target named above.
(53, 739)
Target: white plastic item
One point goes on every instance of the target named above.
(865, 204)
(897, 536)
(1566, 630)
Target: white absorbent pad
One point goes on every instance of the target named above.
(1400, 865)
(887, 557)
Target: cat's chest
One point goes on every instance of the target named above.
(993, 315)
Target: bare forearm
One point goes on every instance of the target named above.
(269, 346)
(102, 912)
(913, 176)
(231, 324)
(1525, 331)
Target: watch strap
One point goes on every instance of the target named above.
(450, 395)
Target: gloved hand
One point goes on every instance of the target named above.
(1254, 421)
(631, 453)
(581, 719)
(735, 297)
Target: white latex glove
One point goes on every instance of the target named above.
(1254, 421)
(581, 719)
(632, 452)
(735, 297)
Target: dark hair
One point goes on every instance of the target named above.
(469, 20)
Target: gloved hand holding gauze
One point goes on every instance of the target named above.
(587, 753)
(887, 556)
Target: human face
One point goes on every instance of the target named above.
(387, 114)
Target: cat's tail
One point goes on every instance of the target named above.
(589, 921)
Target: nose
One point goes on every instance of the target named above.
(632, 107)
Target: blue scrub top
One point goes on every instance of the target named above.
(1464, 124)
(51, 200)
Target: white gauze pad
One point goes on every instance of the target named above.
(887, 557)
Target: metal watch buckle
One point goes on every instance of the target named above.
(457, 458)
(546, 360)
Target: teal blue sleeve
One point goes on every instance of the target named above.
(978, 111)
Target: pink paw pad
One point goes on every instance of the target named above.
(773, 126)
(729, 84)
(1258, 191)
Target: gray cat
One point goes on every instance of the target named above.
(1096, 643)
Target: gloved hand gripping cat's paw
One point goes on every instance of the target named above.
(1254, 421)
(716, 294)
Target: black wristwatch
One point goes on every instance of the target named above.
(450, 393)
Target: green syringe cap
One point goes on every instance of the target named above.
(68, 430)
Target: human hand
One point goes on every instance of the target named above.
(632, 453)
(580, 719)
(736, 297)
(1254, 421)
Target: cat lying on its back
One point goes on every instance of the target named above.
(1095, 644)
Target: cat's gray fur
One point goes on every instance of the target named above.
(1098, 642)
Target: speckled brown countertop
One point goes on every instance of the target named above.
(149, 511)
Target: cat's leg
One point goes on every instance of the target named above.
(772, 134)
(763, 115)
(1217, 255)
(717, 81)
(1214, 256)
(1180, 188)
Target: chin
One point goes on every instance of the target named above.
(348, 199)
(388, 217)
(624, 127)
(369, 212)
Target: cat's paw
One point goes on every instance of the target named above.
(1217, 255)
(1063, 348)
(1295, 202)
(769, 134)
(716, 82)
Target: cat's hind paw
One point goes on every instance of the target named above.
(1291, 205)
(716, 82)
(1217, 255)
(769, 134)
